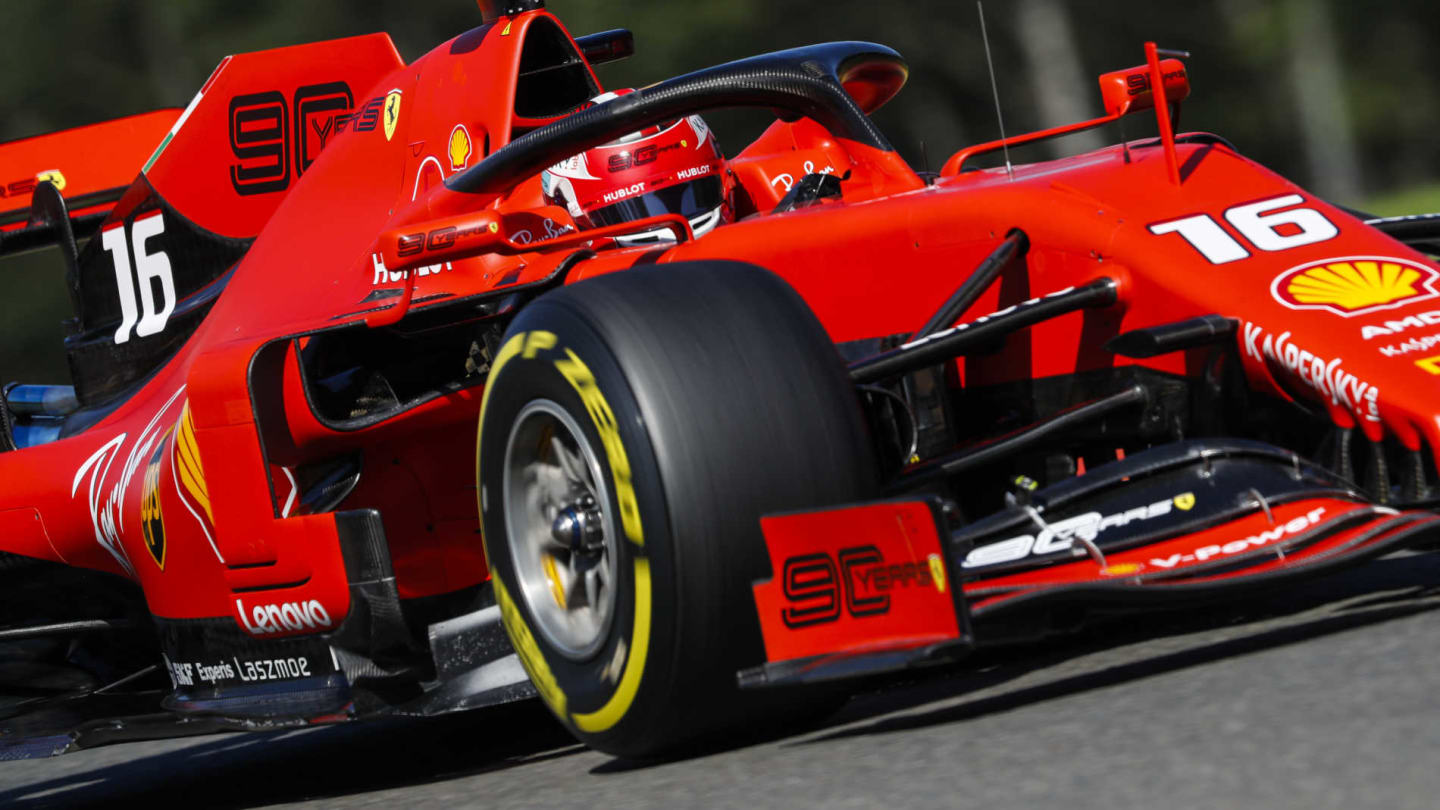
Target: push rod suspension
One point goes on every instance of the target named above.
(1006, 446)
(981, 332)
(1014, 246)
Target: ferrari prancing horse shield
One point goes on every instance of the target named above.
(392, 113)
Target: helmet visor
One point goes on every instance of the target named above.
(689, 200)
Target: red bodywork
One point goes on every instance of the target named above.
(341, 153)
(84, 163)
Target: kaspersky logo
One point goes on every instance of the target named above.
(1355, 285)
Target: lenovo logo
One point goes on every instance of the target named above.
(262, 620)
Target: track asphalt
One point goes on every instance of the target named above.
(1323, 695)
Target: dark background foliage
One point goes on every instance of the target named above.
(1337, 95)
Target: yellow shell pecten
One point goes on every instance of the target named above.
(1354, 285)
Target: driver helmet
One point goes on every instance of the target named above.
(673, 168)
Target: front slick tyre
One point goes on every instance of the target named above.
(634, 428)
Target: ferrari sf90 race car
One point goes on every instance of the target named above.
(368, 418)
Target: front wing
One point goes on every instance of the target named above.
(888, 585)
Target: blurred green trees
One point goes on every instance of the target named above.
(1340, 96)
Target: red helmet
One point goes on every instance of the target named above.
(674, 168)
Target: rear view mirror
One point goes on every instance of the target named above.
(1126, 91)
(607, 46)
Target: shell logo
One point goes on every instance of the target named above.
(459, 147)
(1354, 285)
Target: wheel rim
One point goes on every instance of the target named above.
(559, 529)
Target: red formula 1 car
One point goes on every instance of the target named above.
(376, 427)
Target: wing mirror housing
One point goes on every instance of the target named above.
(1124, 92)
(1130, 90)
(607, 46)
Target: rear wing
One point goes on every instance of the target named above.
(90, 167)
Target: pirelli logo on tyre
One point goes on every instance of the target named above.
(575, 370)
(626, 666)
(1355, 285)
(528, 651)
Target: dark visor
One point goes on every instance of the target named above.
(689, 200)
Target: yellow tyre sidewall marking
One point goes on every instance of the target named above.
(509, 350)
(520, 636)
(529, 651)
(580, 377)
(575, 370)
(619, 703)
(578, 374)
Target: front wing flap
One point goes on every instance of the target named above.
(860, 589)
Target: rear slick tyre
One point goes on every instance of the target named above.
(634, 428)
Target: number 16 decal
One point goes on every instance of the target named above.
(1280, 230)
(144, 317)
